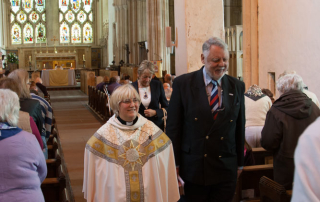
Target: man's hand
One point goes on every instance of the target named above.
(150, 112)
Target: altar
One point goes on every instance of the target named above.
(58, 77)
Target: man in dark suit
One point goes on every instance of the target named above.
(206, 123)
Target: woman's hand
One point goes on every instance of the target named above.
(150, 112)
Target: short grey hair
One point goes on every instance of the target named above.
(287, 72)
(9, 107)
(213, 41)
(290, 82)
(146, 65)
(21, 76)
(123, 92)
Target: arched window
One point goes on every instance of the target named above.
(27, 20)
(76, 18)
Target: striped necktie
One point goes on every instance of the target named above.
(214, 99)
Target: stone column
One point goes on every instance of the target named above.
(250, 42)
(52, 13)
(5, 24)
(195, 23)
(111, 16)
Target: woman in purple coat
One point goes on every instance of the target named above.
(22, 163)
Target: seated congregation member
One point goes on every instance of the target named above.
(129, 158)
(25, 122)
(268, 93)
(151, 94)
(307, 165)
(46, 113)
(33, 107)
(22, 164)
(42, 88)
(257, 105)
(101, 86)
(114, 84)
(288, 117)
(305, 90)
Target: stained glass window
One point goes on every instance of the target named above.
(34, 17)
(76, 5)
(87, 5)
(16, 34)
(76, 33)
(87, 33)
(28, 21)
(90, 16)
(64, 33)
(63, 5)
(82, 16)
(27, 5)
(41, 33)
(11, 18)
(40, 5)
(15, 5)
(60, 17)
(69, 16)
(76, 21)
(21, 17)
(28, 33)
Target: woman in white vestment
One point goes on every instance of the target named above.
(129, 158)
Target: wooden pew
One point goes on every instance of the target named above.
(250, 177)
(52, 188)
(52, 148)
(273, 191)
(262, 156)
(53, 165)
(65, 196)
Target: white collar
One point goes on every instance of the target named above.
(115, 122)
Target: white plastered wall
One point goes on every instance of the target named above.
(289, 39)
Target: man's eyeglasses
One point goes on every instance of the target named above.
(128, 101)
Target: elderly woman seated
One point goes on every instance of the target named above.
(257, 105)
(288, 117)
(129, 158)
(22, 164)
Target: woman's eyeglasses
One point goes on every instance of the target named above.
(128, 101)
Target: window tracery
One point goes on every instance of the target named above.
(27, 20)
(76, 18)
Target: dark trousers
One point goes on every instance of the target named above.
(222, 192)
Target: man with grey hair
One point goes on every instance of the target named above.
(288, 117)
(206, 123)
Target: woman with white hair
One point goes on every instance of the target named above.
(129, 158)
(22, 164)
(288, 117)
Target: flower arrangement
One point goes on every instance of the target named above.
(13, 58)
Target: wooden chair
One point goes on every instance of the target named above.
(52, 188)
(271, 191)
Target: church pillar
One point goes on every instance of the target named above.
(157, 20)
(195, 22)
(111, 36)
(5, 24)
(250, 42)
(53, 28)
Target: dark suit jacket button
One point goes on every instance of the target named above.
(219, 156)
(196, 119)
(221, 138)
(207, 137)
(205, 155)
(231, 120)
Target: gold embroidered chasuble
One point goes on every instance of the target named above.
(131, 148)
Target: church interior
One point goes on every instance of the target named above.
(73, 44)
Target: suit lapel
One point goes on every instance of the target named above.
(200, 95)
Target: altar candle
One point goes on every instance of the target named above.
(71, 64)
(83, 57)
(44, 66)
(29, 58)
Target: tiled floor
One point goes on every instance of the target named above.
(76, 124)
